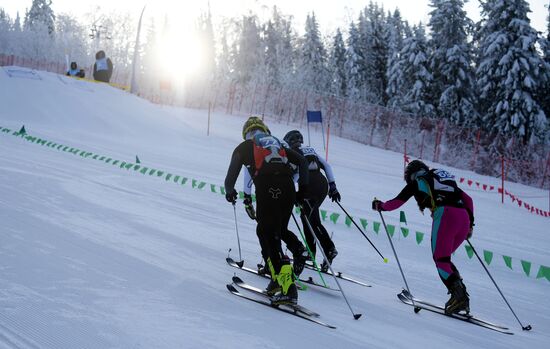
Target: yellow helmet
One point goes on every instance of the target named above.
(254, 123)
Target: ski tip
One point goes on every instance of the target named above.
(240, 264)
(357, 316)
(417, 310)
(527, 328)
(237, 279)
(231, 288)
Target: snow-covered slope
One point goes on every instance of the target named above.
(95, 256)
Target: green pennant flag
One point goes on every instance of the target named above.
(297, 210)
(348, 221)
(129, 166)
(160, 173)
(402, 218)
(194, 184)
(176, 179)
(544, 272)
(334, 217)
(488, 256)
(241, 194)
(168, 176)
(507, 261)
(364, 223)
(213, 188)
(222, 190)
(391, 229)
(184, 180)
(152, 171)
(324, 215)
(95, 156)
(144, 170)
(405, 232)
(137, 160)
(376, 227)
(419, 237)
(526, 267)
(469, 251)
(22, 131)
(136, 167)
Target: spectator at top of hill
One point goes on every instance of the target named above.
(74, 71)
(103, 67)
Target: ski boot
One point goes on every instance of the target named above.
(273, 287)
(300, 259)
(460, 300)
(288, 293)
(331, 254)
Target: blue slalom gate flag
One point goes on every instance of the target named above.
(314, 116)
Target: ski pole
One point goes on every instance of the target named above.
(355, 316)
(525, 328)
(309, 250)
(366, 237)
(241, 262)
(416, 309)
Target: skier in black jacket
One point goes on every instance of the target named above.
(269, 165)
(317, 191)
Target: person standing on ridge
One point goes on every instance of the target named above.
(269, 165)
(452, 211)
(317, 191)
(103, 67)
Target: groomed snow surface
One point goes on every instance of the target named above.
(95, 256)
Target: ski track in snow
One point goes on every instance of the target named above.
(93, 256)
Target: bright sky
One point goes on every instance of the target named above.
(330, 14)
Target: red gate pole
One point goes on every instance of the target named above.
(502, 175)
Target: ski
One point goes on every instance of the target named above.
(340, 276)
(283, 308)
(439, 310)
(420, 301)
(239, 282)
(308, 281)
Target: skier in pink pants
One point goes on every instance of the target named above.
(453, 220)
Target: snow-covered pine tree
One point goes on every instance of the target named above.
(206, 33)
(393, 69)
(40, 14)
(354, 65)
(312, 70)
(416, 75)
(451, 62)
(5, 31)
(374, 34)
(545, 86)
(509, 72)
(249, 56)
(337, 65)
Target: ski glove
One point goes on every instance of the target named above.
(249, 208)
(333, 193)
(377, 205)
(231, 196)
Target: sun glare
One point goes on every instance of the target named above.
(180, 54)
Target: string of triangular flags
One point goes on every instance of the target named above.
(543, 272)
(515, 198)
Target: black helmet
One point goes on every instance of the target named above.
(412, 168)
(100, 54)
(254, 123)
(294, 138)
(73, 65)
